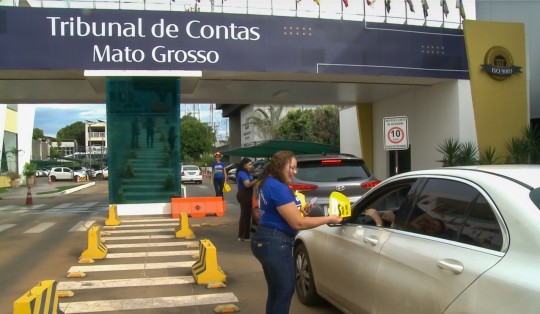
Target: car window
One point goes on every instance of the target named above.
(455, 211)
(336, 171)
(66, 170)
(393, 197)
(190, 168)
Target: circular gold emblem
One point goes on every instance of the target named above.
(499, 62)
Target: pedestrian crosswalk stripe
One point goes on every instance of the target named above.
(89, 204)
(7, 207)
(35, 206)
(119, 267)
(143, 237)
(82, 225)
(170, 224)
(62, 206)
(150, 244)
(152, 254)
(6, 226)
(40, 227)
(20, 211)
(122, 283)
(146, 303)
(142, 231)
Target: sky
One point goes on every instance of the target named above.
(52, 117)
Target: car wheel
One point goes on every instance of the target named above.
(76, 178)
(53, 178)
(199, 182)
(305, 284)
(99, 177)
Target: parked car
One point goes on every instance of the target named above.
(319, 175)
(231, 172)
(100, 174)
(258, 168)
(191, 173)
(42, 172)
(65, 173)
(462, 241)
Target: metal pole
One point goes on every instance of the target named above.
(396, 162)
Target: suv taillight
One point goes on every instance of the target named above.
(370, 184)
(303, 187)
(182, 174)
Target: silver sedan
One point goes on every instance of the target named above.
(449, 240)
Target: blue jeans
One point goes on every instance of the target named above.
(273, 249)
(218, 186)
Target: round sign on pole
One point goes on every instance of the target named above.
(396, 136)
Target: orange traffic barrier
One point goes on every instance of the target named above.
(197, 206)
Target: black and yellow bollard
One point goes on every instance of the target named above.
(42, 298)
(113, 219)
(183, 230)
(206, 269)
(96, 248)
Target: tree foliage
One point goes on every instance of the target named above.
(267, 121)
(319, 125)
(74, 131)
(196, 138)
(326, 120)
(37, 133)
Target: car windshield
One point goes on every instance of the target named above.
(190, 168)
(335, 171)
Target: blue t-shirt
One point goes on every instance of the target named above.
(219, 169)
(272, 194)
(242, 176)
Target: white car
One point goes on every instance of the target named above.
(65, 173)
(191, 173)
(451, 240)
(101, 174)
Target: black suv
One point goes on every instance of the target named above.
(321, 174)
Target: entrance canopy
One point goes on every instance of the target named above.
(268, 148)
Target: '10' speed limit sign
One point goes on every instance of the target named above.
(396, 136)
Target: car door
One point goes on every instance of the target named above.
(423, 268)
(351, 251)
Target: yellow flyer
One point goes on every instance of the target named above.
(339, 204)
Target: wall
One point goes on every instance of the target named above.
(433, 114)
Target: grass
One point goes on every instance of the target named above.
(60, 189)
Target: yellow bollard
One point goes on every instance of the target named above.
(96, 249)
(42, 298)
(206, 269)
(183, 230)
(113, 219)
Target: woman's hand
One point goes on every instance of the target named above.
(374, 214)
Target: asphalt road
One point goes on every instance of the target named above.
(44, 242)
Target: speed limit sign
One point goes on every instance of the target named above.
(396, 136)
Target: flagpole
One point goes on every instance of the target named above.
(222, 7)
(406, 13)
(296, 13)
(341, 9)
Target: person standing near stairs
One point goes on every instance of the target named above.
(219, 174)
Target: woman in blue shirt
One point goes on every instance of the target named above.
(244, 196)
(280, 221)
(219, 174)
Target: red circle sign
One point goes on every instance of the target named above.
(395, 135)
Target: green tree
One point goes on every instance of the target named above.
(37, 133)
(297, 126)
(74, 131)
(326, 124)
(196, 138)
(267, 121)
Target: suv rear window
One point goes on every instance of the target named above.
(191, 168)
(336, 170)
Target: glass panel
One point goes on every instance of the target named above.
(143, 123)
(482, 228)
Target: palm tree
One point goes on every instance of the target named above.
(267, 121)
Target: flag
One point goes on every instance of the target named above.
(387, 5)
(346, 3)
(318, 2)
(459, 5)
(444, 6)
(425, 7)
(411, 7)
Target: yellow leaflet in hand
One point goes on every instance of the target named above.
(339, 204)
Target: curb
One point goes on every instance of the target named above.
(35, 195)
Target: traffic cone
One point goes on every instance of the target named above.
(29, 197)
(50, 181)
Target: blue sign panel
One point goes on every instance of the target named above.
(62, 39)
